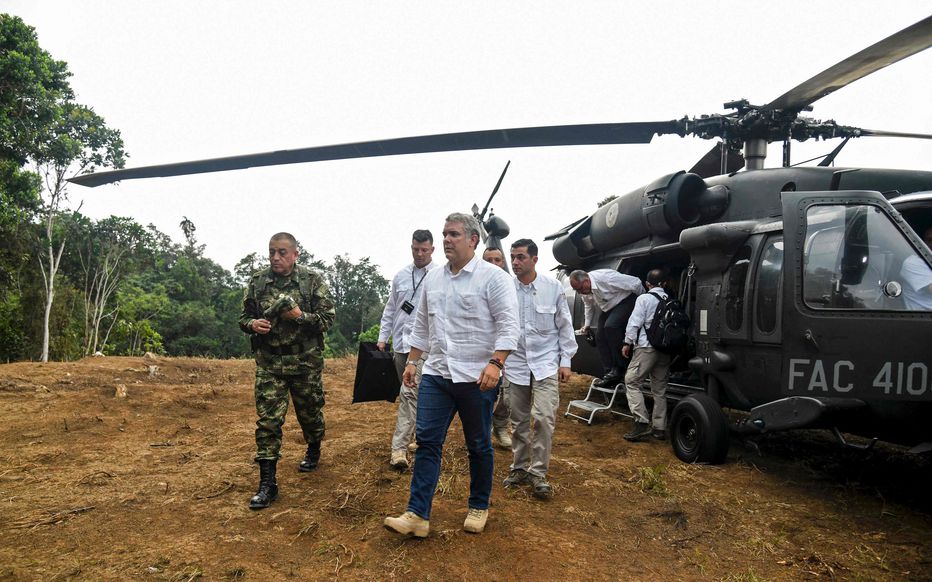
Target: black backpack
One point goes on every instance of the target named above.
(668, 331)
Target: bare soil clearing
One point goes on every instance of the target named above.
(154, 485)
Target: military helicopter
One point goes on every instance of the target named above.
(793, 276)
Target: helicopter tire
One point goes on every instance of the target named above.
(699, 430)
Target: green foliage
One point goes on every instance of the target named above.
(370, 335)
(651, 480)
(134, 338)
(12, 336)
(358, 291)
(32, 85)
(79, 136)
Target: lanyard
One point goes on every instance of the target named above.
(413, 293)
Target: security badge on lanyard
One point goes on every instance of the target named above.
(407, 306)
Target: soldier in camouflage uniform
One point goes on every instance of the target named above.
(286, 309)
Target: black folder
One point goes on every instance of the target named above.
(376, 378)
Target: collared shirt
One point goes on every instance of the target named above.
(464, 318)
(642, 316)
(396, 322)
(547, 340)
(609, 288)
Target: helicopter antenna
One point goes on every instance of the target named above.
(494, 192)
(829, 159)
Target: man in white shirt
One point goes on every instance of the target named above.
(501, 414)
(917, 279)
(536, 368)
(397, 319)
(468, 325)
(646, 360)
(614, 293)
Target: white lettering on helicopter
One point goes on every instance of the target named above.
(910, 378)
(817, 377)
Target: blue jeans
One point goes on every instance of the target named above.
(438, 401)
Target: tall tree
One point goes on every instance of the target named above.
(359, 291)
(78, 141)
(104, 253)
(40, 124)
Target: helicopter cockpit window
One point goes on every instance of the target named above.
(856, 258)
(735, 288)
(769, 279)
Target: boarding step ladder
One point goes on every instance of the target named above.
(591, 405)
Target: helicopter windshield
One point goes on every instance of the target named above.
(856, 258)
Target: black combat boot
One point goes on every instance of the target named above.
(642, 431)
(268, 486)
(311, 457)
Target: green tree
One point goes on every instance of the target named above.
(359, 292)
(40, 124)
(78, 141)
(108, 249)
(31, 84)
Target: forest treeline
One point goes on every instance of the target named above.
(71, 286)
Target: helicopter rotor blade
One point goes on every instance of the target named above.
(558, 135)
(713, 164)
(882, 133)
(481, 215)
(905, 43)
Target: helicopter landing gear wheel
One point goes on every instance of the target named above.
(699, 430)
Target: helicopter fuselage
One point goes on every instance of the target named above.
(796, 282)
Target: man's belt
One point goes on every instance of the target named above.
(288, 350)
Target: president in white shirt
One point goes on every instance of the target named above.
(468, 325)
(536, 367)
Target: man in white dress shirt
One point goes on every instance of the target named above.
(397, 319)
(614, 293)
(536, 368)
(467, 324)
(647, 360)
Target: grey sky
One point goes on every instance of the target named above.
(187, 80)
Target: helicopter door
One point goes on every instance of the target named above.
(857, 300)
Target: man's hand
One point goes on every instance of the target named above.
(294, 313)
(489, 378)
(261, 326)
(626, 351)
(584, 330)
(563, 374)
(381, 346)
(408, 377)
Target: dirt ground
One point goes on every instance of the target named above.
(154, 485)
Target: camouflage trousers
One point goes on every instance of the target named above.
(307, 393)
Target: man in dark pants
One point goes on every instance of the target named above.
(615, 294)
(467, 323)
(286, 308)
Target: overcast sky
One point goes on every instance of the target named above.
(187, 80)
